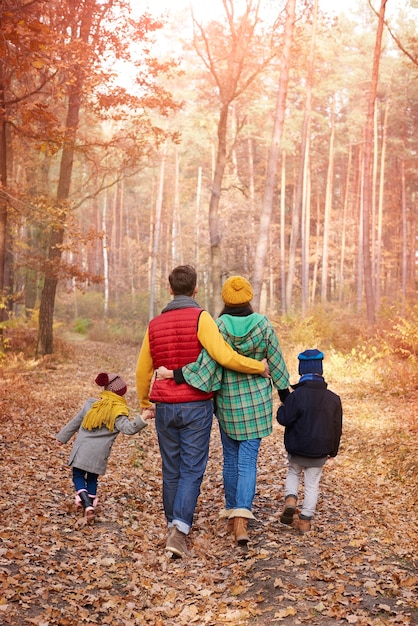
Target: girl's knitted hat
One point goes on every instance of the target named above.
(111, 382)
(236, 290)
(310, 362)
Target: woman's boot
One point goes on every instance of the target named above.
(240, 530)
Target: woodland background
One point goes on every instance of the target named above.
(271, 140)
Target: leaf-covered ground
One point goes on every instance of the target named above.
(357, 566)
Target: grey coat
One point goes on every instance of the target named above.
(91, 449)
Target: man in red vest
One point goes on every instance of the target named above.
(184, 414)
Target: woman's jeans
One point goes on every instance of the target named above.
(311, 478)
(183, 436)
(239, 471)
(85, 480)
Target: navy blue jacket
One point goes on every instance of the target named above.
(312, 416)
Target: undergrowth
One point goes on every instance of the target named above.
(386, 356)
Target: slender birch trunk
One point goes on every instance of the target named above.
(197, 216)
(282, 234)
(273, 158)
(367, 181)
(344, 227)
(404, 230)
(176, 241)
(317, 254)
(105, 253)
(360, 245)
(306, 224)
(380, 206)
(327, 212)
(157, 228)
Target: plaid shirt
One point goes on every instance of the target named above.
(244, 402)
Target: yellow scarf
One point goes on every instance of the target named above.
(105, 411)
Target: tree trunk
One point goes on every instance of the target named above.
(214, 227)
(367, 181)
(197, 216)
(156, 238)
(306, 227)
(47, 304)
(360, 248)
(304, 163)
(344, 228)
(297, 209)
(273, 158)
(317, 253)
(105, 255)
(327, 212)
(379, 242)
(46, 309)
(404, 231)
(282, 235)
(3, 203)
(176, 235)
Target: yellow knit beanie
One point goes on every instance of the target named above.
(237, 290)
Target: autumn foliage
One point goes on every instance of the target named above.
(358, 566)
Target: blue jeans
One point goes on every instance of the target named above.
(239, 471)
(183, 436)
(85, 480)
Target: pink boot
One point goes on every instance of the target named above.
(94, 500)
(86, 503)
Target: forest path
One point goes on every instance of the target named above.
(357, 566)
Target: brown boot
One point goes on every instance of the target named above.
(176, 543)
(240, 531)
(289, 510)
(303, 525)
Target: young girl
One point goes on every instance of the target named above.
(98, 424)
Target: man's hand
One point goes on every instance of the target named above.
(266, 373)
(162, 373)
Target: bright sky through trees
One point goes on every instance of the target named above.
(208, 9)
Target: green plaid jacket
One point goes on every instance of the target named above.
(244, 402)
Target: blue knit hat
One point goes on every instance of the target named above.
(310, 362)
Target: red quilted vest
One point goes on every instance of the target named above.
(173, 342)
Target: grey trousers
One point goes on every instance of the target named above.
(311, 479)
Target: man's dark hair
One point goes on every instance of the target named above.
(183, 280)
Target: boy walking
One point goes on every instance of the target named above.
(312, 417)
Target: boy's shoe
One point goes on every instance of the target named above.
(289, 510)
(176, 543)
(302, 525)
